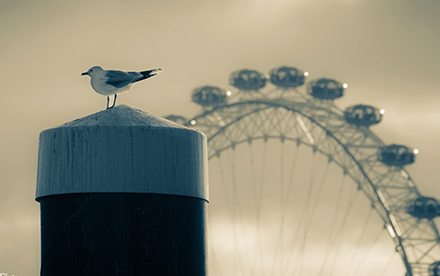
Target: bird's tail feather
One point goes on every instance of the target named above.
(150, 71)
(148, 74)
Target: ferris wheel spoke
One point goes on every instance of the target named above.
(284, 196)
(368, 251)
(318, 197)
(232, 213)
(358, 244)
(290, 184)
(304, 218)
(258, 193)
(333, 225)
(255, 186)
(262, 177)
(228, 196)
(212, 255)
(282, 206)
(313, 211)
(337, 239)
(355, 192)
(237, 217)
(278, 254)
(388, 264)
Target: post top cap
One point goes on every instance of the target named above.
(122, 115)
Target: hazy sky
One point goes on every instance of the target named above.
(386, 50)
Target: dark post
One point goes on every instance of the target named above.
(122, 192)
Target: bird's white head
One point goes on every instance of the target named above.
(92, 71)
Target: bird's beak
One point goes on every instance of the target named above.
(83, 74)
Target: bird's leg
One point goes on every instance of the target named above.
(114, 100)
(107, 102)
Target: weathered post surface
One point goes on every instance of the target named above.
(122, 192)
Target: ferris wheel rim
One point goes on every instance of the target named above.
(268, 103)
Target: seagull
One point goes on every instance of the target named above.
(113, 82)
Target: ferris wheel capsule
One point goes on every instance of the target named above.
(396, 155)
(287, 77)
(423, 207)
(247, 79)
(325, 89)
(209, 96)
(362, 115)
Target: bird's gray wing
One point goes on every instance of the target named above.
(120, 79)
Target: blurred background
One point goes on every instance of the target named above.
(386, 50)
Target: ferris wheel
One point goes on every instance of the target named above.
(301, 187)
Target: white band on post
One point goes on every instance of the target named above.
(154, 156)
